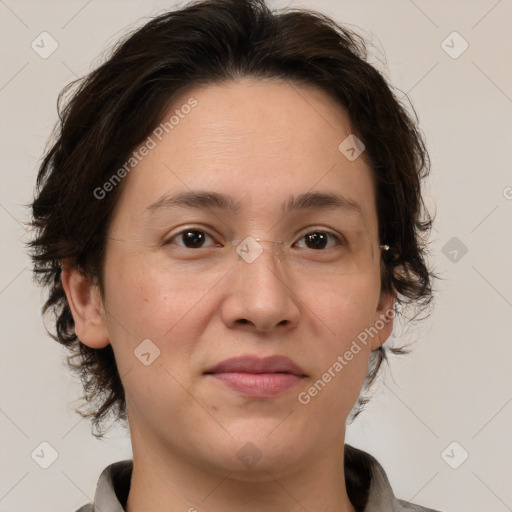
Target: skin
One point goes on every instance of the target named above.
(261, 142)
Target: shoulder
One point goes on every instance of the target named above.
(368, 486)
(112, 488)
(86, 508)
(411, 507)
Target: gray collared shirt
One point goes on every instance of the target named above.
(367, 486)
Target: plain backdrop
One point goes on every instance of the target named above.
(450, 399)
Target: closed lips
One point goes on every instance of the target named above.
(256, 365)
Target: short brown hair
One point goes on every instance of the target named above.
(116, 107)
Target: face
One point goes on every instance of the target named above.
(173, 279)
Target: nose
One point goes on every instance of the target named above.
(260, 295)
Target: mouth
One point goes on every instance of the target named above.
(258, 377)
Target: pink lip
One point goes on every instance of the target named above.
(257, 377)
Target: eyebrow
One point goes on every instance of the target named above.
(203, 199)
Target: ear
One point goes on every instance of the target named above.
(86, 306)
(384, 316)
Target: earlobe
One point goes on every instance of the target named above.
(384, 317)
(86, 307)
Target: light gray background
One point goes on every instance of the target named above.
(456, 385)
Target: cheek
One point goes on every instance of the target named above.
(142, 296)
(342, 310)
(341, 349)
(146, 301)
(143, 303)
(343, 317)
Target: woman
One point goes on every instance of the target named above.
(228, 220)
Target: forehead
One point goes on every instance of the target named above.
(260, 142)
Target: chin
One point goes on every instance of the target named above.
(258, 454)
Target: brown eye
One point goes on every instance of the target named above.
(189, 239)
(193, 239)
(318, 240)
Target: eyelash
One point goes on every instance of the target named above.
(338, 238)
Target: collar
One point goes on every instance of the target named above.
(368, 487)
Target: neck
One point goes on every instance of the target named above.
(169, 482)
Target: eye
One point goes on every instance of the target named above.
(189, 238)
(318, 240)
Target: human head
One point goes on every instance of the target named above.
(119, 105)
